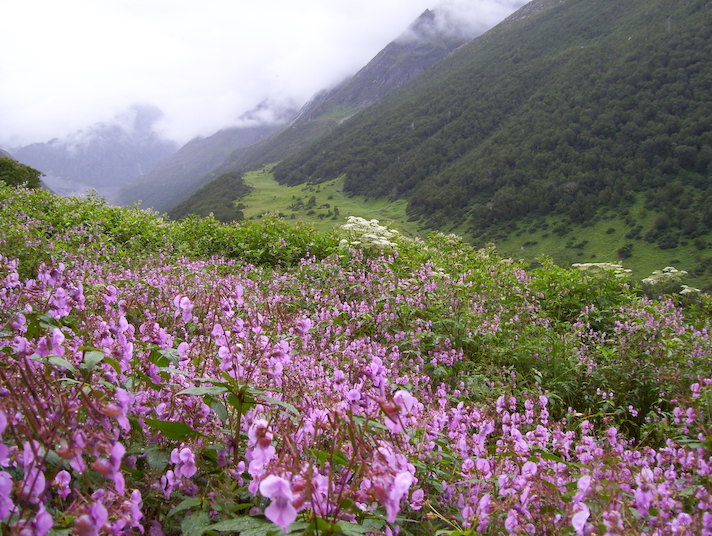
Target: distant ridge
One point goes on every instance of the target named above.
(179, 175)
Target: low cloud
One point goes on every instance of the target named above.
(204, 65)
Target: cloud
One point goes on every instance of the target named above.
(204, 63)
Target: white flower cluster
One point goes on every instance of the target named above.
(667, 281)
(669, 274)
(689, 290)
(367, 234)
(603, 267)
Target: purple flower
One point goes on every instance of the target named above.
(91, 524)
(185, 462)
(185, 308)
(6, 505)
(33, 485)
(168, 482)
(280, 511)
(42, 522)
(51, 344)
(416, 499)
(529, 469)
(400, 486)
(303, 325)
(578, 520)
(62, 480)
(135, 510)
(512, 521)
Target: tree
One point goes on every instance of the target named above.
(13, 173)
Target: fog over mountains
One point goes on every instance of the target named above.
(103, 156)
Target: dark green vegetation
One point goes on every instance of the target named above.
(574, 110)
(13, 173)
(218, 198)
(52, 225)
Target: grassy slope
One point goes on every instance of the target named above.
(597, 243)
(268, 196)
(594, 243)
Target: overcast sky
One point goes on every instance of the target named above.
(67, 64)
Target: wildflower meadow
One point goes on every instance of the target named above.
(197, 378)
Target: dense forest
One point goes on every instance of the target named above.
(568, 111)
(217, 198)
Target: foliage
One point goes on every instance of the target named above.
(13, 173)
(39, 226)
(439, 389)
(218, 198)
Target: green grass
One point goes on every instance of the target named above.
(597, 243)
(532, 239)
(317, 204)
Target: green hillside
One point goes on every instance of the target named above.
(576, 111)
(431, 37)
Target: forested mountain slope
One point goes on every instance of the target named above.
(565, 108)
(431, 37)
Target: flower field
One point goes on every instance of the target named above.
(201, 379)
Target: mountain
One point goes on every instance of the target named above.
(178, 176)
(430, 38)
(4, 154)
(104, 156)
(568, 108)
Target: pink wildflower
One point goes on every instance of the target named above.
(185, 462)
(6, 505)
(401, 483)
(404, 403)
(185, 308)
(303, 325)
(62, 480)
(91, 524)
(280, 511)
(578, 520)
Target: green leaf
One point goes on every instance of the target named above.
(59, 532)
(286, 405)
(173, 429)
(113, 363)
(219, 409)
(200, 391)
(351, 529)
(241, 403)
(170, 354)
(91, 360)
(158, 359)
(323, 456)
(240, 524)
(157, 459)
(195, 524)
(62, 363)
(185, 504)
